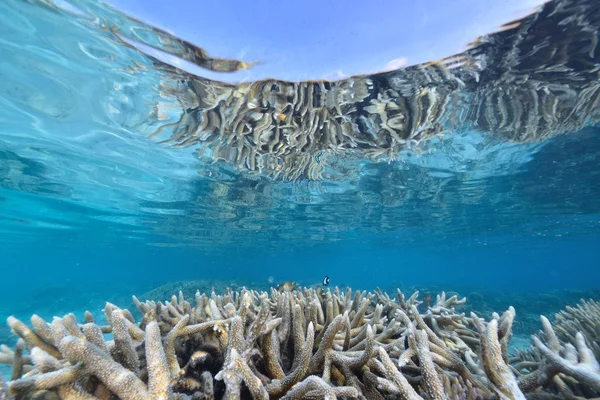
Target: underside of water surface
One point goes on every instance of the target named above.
(392, 234)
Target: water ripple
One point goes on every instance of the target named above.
(76, 108)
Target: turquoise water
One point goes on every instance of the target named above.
(92, 210)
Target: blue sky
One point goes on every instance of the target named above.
(314, 39)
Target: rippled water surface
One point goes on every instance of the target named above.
(78, 173)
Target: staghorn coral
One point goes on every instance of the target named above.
(296, 344)
(583, 318)
(567, 362)
(499, 86)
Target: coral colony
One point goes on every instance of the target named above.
(302, 343)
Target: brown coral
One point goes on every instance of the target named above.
(299, 344)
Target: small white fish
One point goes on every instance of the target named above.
(325, 281)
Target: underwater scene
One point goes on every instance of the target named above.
(180, 220)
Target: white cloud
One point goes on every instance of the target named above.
(395, 64)
(332, 76)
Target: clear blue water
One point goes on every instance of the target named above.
(90, 210)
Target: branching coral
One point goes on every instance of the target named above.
(296, 344)
(583, 318)
(567, 362)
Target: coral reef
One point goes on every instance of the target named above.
(530, 304)
(572, 346)
(190, 287)
(499, 86)
(301, 343)
(583, 318)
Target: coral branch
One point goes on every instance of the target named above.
(118, 379)
(299, 343)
